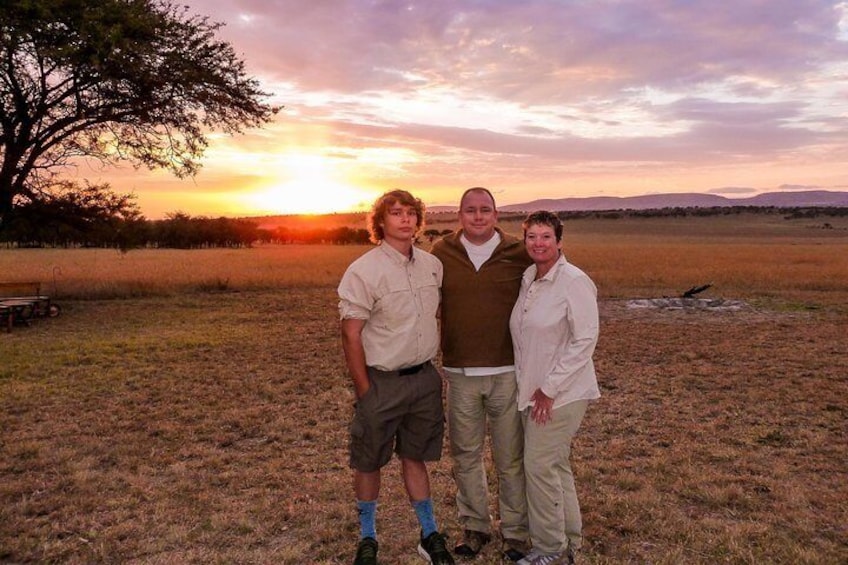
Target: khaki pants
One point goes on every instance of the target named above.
(552, 505)
(471, 401)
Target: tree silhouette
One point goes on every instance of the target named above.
(114, 80)
(90, 215)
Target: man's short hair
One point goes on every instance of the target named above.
(382, 205)
(544, 218)
(477, 189)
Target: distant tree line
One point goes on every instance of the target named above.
(793, 213)
(432, 234)
(177, 230)
(94, 216)
(339, 235)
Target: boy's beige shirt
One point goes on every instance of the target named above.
(398, 298)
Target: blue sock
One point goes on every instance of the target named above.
(367, 518)
(424, 511)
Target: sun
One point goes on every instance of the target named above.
(308, 184)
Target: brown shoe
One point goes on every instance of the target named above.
(471, 544)
(515, 550)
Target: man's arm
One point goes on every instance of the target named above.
(354, 353)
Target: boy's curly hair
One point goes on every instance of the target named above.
(382, 205)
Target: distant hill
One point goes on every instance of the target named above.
(795, 199)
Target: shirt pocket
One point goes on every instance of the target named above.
(395, 309)
(404, 300)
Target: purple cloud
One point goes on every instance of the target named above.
(520, 87)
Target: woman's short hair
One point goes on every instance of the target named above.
(544, 218)
(381, 207)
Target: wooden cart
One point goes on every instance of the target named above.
(21, 302)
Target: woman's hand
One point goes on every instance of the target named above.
(543, 406)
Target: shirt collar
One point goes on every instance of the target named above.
(396, 256)
(550, 275)
(493, 241)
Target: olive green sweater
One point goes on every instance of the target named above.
(476, 305)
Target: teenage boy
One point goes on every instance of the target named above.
(389, 299)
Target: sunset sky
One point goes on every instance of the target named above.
(533, 99)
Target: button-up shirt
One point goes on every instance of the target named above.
(399, 298)
(554, 327)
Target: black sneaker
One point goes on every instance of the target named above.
(366, 552)
(472, 542)
(514, 550)
(434, 549)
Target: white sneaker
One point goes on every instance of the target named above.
(527, 559)
(557, 558)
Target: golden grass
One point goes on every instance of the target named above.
(625, 269)
(748, 257)
(104, 273)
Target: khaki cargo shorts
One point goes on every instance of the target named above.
(401, 413)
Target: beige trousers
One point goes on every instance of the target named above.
(472, 402)
(553, 509)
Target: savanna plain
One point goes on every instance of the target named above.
(192, 406)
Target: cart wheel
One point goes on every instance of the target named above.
(54, 310)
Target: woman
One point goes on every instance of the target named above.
(554, 327)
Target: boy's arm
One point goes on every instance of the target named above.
(354, 353)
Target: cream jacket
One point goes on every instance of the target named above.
(554, 327)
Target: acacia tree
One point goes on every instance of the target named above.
(134, 80)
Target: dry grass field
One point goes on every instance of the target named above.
(192, 406)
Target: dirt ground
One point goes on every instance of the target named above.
(212, 428)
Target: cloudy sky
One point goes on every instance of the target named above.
(533, 99)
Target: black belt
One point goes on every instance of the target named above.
(411, 370)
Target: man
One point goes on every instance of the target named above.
(389, 298)
(482, 275)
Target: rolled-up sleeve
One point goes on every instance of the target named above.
(355, 300)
